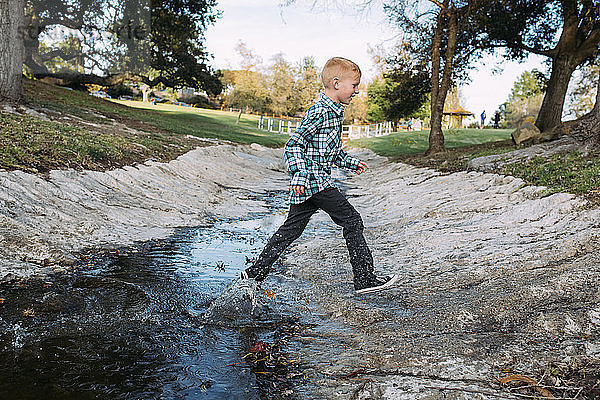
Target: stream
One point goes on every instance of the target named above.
(127, 323)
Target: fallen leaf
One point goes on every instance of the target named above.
(29, 313)
(525, 379)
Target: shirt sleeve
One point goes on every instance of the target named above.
(344, 160)
(295, 148)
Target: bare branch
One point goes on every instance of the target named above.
(590, 46)
(548, 53)
(437, 3)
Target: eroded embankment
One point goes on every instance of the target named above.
(43, 222)
(495, 277)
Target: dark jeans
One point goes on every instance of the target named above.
(341, 212)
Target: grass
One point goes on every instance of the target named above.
(571, 173)
(401, 144)
(39, 146)
(166, 118)
(91, 133)
(206, 123)
(462, 146)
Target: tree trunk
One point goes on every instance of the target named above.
(145, 92)
(11, 49)
(587, 128)
(436, 136)
(440, 88)
(552, 107)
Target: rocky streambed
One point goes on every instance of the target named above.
(497, 279)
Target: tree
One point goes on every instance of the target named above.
(11, 49)
(308, 84)
(565, 31)
(441, 32)
(376, 100)
(246, 90)
(70, 46)
(400, 87)
(587, 127)
(528, 85)
(525, 98)
(583, 95)
(250, 61)
(284, 99)
(407, 91)
(174, 43)
(178, 55)
(356, 111)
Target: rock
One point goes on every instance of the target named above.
(527, 132)
(524, 132)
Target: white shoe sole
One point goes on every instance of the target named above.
(387, 285)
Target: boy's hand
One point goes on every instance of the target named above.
(362, 167)
(298, 189)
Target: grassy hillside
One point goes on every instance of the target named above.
(60, 128)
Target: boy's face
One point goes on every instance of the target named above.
(346, 87)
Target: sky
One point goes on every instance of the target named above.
(327, 28)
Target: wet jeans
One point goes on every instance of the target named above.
(341, 212)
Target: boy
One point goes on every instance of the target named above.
(309, 155)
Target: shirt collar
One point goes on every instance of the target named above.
(338, 108)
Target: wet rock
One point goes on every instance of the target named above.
(71, 210)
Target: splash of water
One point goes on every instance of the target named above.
(240, 300)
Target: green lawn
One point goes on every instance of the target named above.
(167, 118)
(205, 123)
(83, 133)
(409, 143)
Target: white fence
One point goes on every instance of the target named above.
(370, 130)
(278, 125)
(348, 131)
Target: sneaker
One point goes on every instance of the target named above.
(378, 284)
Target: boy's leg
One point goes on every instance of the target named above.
(291, 230)
(342, 213)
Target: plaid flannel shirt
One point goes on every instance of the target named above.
(315, 147)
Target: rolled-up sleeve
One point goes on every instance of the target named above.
(295, 148)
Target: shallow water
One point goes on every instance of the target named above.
(155, 321)
(129, 323)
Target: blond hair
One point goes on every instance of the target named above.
(337, 67)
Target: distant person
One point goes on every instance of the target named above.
(410, 125)
(497, 120)
(482, 119)
(311, 151)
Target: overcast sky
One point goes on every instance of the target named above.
(335, 28)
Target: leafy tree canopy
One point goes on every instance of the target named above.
(159, 42)
(529, 84)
